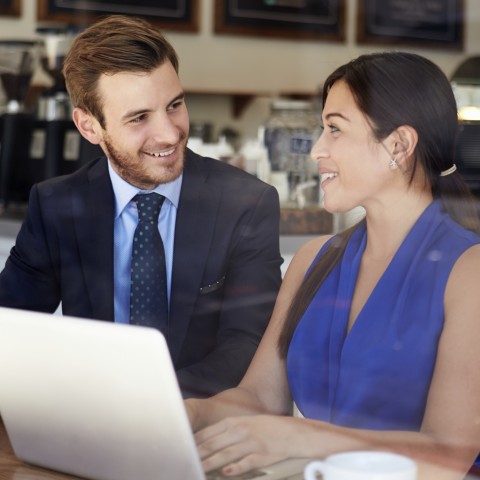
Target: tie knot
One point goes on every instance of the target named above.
(148, 205)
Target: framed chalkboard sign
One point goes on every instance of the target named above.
(170, 14)
(436, 23)
(292, 19)
(10, 7)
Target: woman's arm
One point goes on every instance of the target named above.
(264, 388)
(452, 415)
(450, 435)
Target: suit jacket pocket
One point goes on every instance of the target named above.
(212, 287)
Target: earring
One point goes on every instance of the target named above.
(393, 163)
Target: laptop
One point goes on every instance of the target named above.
(99, 400)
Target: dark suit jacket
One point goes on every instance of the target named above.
(226, 266)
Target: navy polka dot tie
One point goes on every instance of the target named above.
(148, 290)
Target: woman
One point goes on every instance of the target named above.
(375, 331)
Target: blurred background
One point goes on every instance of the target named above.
(252, 72)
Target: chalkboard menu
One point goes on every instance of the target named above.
(179, 14)
(293, 19)
(10, 7)
(436, 23)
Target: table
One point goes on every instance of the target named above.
(11, 468)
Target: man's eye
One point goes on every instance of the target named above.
(138, 119)
(176, 105)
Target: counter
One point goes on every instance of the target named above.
(305, 221)
(296, 228)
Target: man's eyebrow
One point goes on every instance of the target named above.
(180, 96)
(134, 113)
(140, 111)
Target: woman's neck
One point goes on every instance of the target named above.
(389, 224)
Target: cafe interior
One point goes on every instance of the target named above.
(253, 85)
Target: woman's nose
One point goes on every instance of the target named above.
(319, 149)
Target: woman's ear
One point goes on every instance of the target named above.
(405, 140)
(87, 125)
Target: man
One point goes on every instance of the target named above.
(219, 225)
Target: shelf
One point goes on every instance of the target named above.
(305, 221)
(241, 100)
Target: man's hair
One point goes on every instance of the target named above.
(112, 45)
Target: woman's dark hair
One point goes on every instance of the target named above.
(394, 89)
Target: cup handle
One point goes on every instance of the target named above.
(313, 469)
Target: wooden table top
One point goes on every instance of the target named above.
(11, 468)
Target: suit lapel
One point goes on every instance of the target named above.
(194, 229)
(94, 217)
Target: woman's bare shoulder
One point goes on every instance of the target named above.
(306, 254)
(465, 276)
(312, 247)
(466, 269)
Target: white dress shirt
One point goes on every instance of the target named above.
(126, 219)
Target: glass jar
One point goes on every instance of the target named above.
(290, 131)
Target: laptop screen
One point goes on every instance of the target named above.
(94, 399)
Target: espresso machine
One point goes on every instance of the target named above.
(55, 138)
(18, 61)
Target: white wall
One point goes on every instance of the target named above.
(247, 63)
(224, 62)
(235, 63)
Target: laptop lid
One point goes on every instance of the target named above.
(94, 399)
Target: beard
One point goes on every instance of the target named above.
(144, 174)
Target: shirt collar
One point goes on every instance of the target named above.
(124, 191)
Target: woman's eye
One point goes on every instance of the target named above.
(333, 128)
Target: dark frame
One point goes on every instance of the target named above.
(12, 8)
(436, 24)
(291, 19)
(173, 14)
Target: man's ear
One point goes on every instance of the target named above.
(87, 125)
(405, 140)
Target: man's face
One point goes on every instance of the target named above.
(146, 125)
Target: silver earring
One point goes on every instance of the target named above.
(393, 163)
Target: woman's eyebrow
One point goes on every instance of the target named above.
(334, 114)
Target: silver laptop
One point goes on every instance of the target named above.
(98, 400)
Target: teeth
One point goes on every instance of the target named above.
(326, 176)
(162, 154)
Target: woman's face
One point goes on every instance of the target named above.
(353, 165)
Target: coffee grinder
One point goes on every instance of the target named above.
(56, 138)
(18, 61)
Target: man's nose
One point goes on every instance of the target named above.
(165, 130)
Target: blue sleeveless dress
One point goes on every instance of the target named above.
(378, 376)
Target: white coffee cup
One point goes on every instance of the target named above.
(368, 465)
